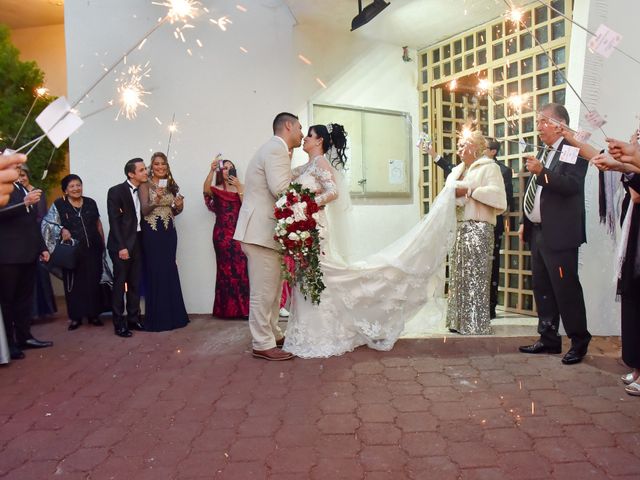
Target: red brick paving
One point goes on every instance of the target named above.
(193, 404)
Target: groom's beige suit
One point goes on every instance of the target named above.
(268, 174)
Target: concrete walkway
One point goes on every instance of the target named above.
(193, 404)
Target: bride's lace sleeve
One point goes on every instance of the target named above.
(329, 189)
(296, 172)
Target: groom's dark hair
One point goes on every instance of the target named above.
(281, 119)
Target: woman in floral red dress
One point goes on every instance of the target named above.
(224, 198)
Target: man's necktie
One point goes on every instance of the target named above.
(530, 194)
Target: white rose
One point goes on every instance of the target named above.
(289, 220)
(304, 235)
(281, 202)
(299, 211)
(294, 236)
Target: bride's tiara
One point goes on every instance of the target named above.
(330, 128)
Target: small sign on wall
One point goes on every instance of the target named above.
(396, 172)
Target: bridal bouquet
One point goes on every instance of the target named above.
(299, 240)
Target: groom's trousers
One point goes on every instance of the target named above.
(265, 285)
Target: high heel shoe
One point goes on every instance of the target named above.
(633, 389)
(628, 378)
(74, 324)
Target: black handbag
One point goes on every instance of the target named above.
(65, 255)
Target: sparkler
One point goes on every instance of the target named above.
(40, 93)
(453, 84)
(221, 22)
(586, 29)
(178, 11)
(173, 127)
(131, 91)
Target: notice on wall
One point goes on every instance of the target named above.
(605, 41)
(396, 172)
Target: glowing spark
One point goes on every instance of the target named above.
(158, 120)
(241, 8)
(173, 127)
(42, 91)
(520, 384)
(453, 84)
(560, 269)
(244, 50)
(180, 10)
(533, 408)
(221, 22)
(142, 44)
(304, 59)
(517, 102)
(199, 42)
(484, 85)
(131, 91)
(321, 83)
(189, 52)
(514, 15)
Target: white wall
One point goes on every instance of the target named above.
(45, 46)
(224, 101)
(609, 87)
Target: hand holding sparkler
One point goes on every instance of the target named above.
(624, 152)
(533, 165)
(9, 174)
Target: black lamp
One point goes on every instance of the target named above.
(368, 13)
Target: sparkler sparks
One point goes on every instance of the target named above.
(453, 84)
(42, 91)
(131, 91)
(241, 8)
(517, 102)
(221, 22)
(484, 85)
(515, 15)
(304, 59)
(180, 10)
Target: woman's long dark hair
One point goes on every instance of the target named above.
(336, 139)
(172, 186)
(219, 175)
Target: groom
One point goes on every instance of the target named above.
(268, 174)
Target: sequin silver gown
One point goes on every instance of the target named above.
(469, 277)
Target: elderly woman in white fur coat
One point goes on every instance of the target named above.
(480, 196)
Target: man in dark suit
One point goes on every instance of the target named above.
(554, 226)
(492, 151)
(20, 246)
(125, 247)
(493, 148)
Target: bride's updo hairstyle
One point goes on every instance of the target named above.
(333, 136)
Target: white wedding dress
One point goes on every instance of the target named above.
(376, 300)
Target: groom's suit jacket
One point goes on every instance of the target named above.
(268, 174)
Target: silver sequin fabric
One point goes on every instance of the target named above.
(469, 278)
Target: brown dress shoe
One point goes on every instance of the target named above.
(273, 354)
(280, 343)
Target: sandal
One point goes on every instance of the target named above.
(633, 389)
(628, 378)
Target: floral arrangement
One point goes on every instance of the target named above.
(298, 239)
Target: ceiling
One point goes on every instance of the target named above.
(31, 13)
(416, 23)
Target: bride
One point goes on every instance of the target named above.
(375, 300)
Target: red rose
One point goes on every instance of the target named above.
(308, 241)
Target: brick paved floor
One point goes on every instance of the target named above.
(193, 404)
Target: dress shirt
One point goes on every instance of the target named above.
(136, 202)
(536, 215)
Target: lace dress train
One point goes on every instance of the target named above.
(376, 300)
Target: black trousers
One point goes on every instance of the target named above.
(630, 313)
(495, 271)
(126, 283)
(558, 294)
(17, 285)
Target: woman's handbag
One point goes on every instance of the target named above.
(65, 255)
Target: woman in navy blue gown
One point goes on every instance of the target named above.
(160, 202)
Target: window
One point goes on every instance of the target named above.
(380, 149)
